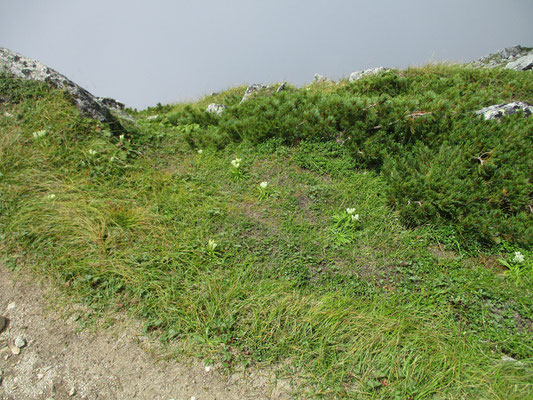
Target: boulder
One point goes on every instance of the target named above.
(256, 87)
(523, 63)
(218, 109)
(355, 76)
(499, 110)
(28, 69)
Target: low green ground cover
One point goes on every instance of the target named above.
(323, 270)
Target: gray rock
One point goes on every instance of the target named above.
(28, 69)
(3, 323)
(281, 87)
(355, 76)
(218, 109)
(523, 63)
(256, 87)
(499, 110)
(322, 79)
(509, 52)
(20, 342)
(502, 58)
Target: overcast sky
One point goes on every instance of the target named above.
(144, 52)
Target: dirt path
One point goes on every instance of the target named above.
(59, 362)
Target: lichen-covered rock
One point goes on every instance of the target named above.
(28, 69)
(256, 87)
(521, 64)
(499, 110)
(355, 76)
(218, 109)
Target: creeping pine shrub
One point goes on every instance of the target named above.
(479, 179)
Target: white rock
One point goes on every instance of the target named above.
(499, 110)
(256, 87)
(11, 306)
(207, 368)
(218, 109)
(15, 351)
(521, 64)
(355, 76)
(20, 342)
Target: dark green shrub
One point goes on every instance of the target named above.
(479, 179)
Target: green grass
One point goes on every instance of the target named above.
(365, 309)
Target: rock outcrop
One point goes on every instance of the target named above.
(505, 58)
(499, 110)
(256, 87)
(521, 64)
(28, 69)
(354, 76)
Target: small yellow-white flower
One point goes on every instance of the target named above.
(263, 185)
(518, 257)
(350, 210)
(92, 152)
(211, 245)
(40, 134)
(355, 217)
(236, 163)
(121, 138)
(200, 151)
(51, 196)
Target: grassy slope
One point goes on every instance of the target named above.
(363, 310)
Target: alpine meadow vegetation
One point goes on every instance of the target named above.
(370, 239)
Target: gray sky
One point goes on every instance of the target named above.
(144, 52)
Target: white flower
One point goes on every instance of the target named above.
(518, 257)
(350, 210)
(211, 245)
(92, 152)
(51, 196)
(236, 163)
(355, 217)
(121, 138)
(200, 151)
(263, 185)
(39, 134)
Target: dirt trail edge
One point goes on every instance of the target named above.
(45, 356)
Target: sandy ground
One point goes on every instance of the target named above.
(58, 361)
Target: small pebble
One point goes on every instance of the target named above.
(11, 306)
(208, 368)
(40, 376)
(15, 351)
(20, 342)
(72, 392)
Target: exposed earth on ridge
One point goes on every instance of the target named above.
(59, 361)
